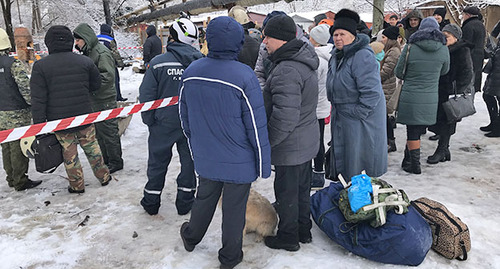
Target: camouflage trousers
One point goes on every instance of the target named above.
(15, 163)
(87, 139)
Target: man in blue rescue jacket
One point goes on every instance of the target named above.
(162, 80)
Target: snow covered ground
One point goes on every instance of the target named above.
(39, 228)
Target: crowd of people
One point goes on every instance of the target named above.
(255, 98)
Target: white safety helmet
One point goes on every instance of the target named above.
(26, 148)
(4, 40)
(185, 31)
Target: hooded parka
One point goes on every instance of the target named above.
(103, 59)
(228, 138)
(428, 59)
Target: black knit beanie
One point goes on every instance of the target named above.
(281, 27)
(345, 19)
(441, 11)
(106, 29)
(391, 32)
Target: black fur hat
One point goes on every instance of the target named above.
(345, 19)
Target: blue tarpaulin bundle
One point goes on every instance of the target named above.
(403, 239)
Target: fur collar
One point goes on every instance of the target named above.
(420, 35)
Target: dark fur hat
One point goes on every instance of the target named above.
(345, 19)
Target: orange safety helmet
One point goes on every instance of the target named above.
(326, 21)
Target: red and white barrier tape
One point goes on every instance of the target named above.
(62, 124)
(46, 52)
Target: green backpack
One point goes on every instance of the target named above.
(384, 198)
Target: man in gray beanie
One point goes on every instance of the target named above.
(290, 98)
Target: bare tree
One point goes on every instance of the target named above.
(36, 22)
(107, 13)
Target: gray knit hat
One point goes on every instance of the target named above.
(454, 30)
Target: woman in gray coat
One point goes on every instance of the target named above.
(358, 106)
(428, 59)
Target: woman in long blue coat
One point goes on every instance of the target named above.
(359, 135)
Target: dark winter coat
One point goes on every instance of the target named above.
(459, 77)
(152, 45)
(102, 58)
(406, 22)
(428, 59)
(473, 31)
(61, 82)
(162, 80)
(492, 84)
(359, 136)
(443, 23)
(291, 98)
(222, 110)
(250, 51)
(263, 64)
(10, 97)
(387, 66)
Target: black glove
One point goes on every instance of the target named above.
(123, 67)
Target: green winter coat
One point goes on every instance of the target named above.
(428, 59)
(104, 61)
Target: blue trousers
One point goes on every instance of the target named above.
(161, 140)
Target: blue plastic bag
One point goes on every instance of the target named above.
(359, 192)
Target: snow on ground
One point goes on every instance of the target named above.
(39, 228)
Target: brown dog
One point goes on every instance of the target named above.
(260, 217)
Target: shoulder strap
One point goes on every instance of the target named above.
(406, 59)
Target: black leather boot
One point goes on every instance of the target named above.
(406, 160)
(442, 153)
(414, 166)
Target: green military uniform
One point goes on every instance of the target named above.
(15, 163)
(105, 97)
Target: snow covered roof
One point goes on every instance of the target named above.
(309, 14)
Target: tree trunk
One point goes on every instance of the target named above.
(7, 17)
(36, 15)
(378, 16)
(107, 13)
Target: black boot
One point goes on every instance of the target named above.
(442, 153)
(491, 106)
(406, 160)
(495, 129)
(414, 166)
(391, 146)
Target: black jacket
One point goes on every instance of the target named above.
(459, 76)
(492, 84)
(61, 82)
(250, 51)
(152, 46)
(474, 32)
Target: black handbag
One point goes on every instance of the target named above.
(459, 106)
(48, 153)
